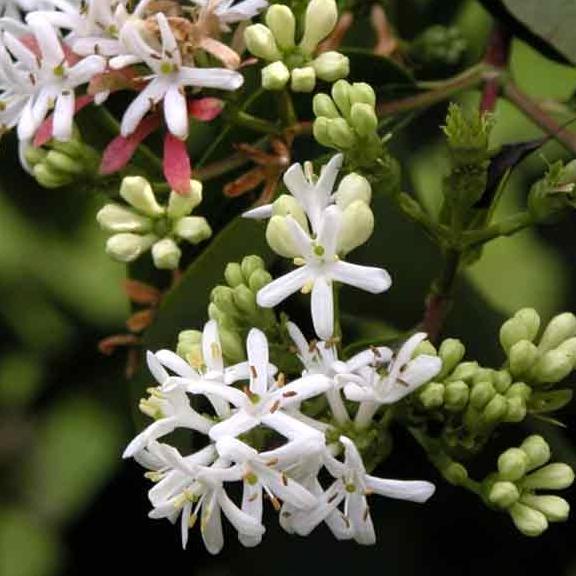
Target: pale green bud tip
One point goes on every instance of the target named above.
(425, 347)
(321, 18)
(279, 238)
(503, 494)
(456, 395)
(519, 390)
(245, 299)
(522, 356)
(341, 94)
(281, 21)
(555, 509)
(537, 450)
(260, 42)
(512, 464)
(353, 187)
(357, 226)
(496, 409)
(455, 473)
(189, 345)
(340, 133)
(138, 192)
(180, 205)
(116, 218)
(250, 264)
(275, 76)
(233, 274)
(553, 366)
(451, 352)
(331, 66)
(232, 345)
(259, 279)
(364, 119)
(321, 133)
(531, 319)
(34, 155)
(481, 394)
(323, 106)
(362, 92)
(166, 254)
(464, 371)
(555, 476)
(287, 205)
(127, 247)
(559, 329)
(511, 332)
(529, 521)
(48, 177)
(63, 163)
(516, 410)
(432, 395)
(194, 229)
(303, 79)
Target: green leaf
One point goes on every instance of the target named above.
(542, 402)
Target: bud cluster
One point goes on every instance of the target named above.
(144, 224)
(296, 62)
(234, 307)
(437, 48)
(521, 473)
(555, 192)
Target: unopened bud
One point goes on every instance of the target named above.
(166, 254)
(456, 396)
(503, 494)
(364, 119)
(512, 464)
(568, 347)
(481, 394)
(34, 155)
(279, 237)
(323, 106)
(194, 229)
(353, 187)
(245, 300)
(232, 346)
(341, 93)
(259, 279)
(451, 353)
(501, 380)
(320, 131)
(512, 331)
(432, 395)
(552, 367)
(519, 390)
(223, 298)
(287, 205)
(425, 347)
(464, 371)
(516, 410)
(361, 92)
(531, 319)
(275, 76)
(555, 509)
(557, 476)
(63, 163)
(50, 178)
(340, 133)
(180, 205)
(537, 450)
(455, 473)
(190, 346)
(495, 410)
(320, 20)
(303, 79)
(281, 22)
(357, 226)
(233, 274)
(331, 66)
(117, 218)
(250, 264)
(127, 247)
(138, 193)
(522, 356)
(529, 521)
(559, 329)
(260, 42)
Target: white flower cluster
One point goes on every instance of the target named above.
(51, 48)
(243, 403)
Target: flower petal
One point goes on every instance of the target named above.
(258, 357)
(176, 112)
(322, 307)
(279, 289)
(413, 490)
(374, 280)
(235, 425)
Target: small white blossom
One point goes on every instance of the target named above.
(231, 12)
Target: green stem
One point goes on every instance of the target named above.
(287, 111)
(506, 227)
(253, 123)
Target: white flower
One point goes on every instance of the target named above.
(169, 405)
(187, 487)
(351, 487)
(168, 80)
(320, 267)
(260, 474)
(45, 80)
(229, 12)
(264, 401)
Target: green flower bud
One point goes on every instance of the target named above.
(516, 411)
(166, 254)
(259, 279)
(223, 319)
(425, 347)
(353, 187)
(138, 193)
(501, 380)
(522, 356)
(555, 509)
(194, 229)
(34, 155)
(50, 178)
(553, 366)
(279, 238)
(320, 131)
(303, 79)
(432, 395)
(363, 119)
(361, 92)
(63, 163)
(275, 76)
(464, 371)
(250, 264)
(519, 390)
(537, 450)
(341, 94)
(245, 300)
(451, 353)
(568, 347)
(559, 329)
(481, 394)
(483, 375)
(331, 66)
(455, 473)
(513, 331)
(456, 396)
(357, 227)
(127, 247)
(340, 133)
(320, 20)
(495, 410)
(503, 494)
(233, 274)
(529, 521)
(323, 106)
(223, 298)
(281, 22)
(232, 345)
(557, 476)
(180, 205)
(287, 205)
(190, 347)
(512, 464)
(260, 42)
(117, 218)
(531, 319)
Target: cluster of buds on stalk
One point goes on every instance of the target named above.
(144, 224)
(522, 473)
(291, 62)
(555, 192)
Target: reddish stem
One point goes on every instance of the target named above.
(497, 55)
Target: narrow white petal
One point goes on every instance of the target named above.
(303, 388)
(322, 307)
(211, 347)
(234, 426)
(83, 71)
(359, 516)
(413, 490)
(300, 239)
(421, 370)
(257, 348)
(358, 393)
(251, 505)
(156, 368)
(64, 116)
(211, 525)
(175, 363)
(176, 112)
(233, 449)
(329, 230)
(371, 357)
(153, 432)
(244, 523)
(278, 290)
(374, 280)
(289, 427)
(259, 213)
(218, 78)
(140, 106)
